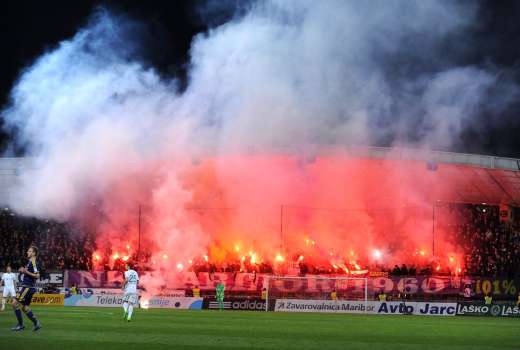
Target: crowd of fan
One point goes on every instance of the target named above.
(488, 246)
(59, 244)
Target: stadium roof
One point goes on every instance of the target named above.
(465, 178)
(474, 184)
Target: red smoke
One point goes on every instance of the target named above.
(332, 210)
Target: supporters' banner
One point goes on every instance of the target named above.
(184, 280)
(94, 279)
(404, 285)
(54, 279)
(48, 299)
(497, 310)
(116, 300)
(501, 287)
(336, 306)
(413, 285)
(249, 304)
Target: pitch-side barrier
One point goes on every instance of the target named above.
(291, 305)
(116, 300)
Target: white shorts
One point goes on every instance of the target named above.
(131, 298)
(9, 292)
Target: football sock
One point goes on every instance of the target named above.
(31, 317)
(130, 310)
(18, 314)
(125, 306)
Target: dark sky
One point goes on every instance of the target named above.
(29, 28)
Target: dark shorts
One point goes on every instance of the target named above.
(25, 295)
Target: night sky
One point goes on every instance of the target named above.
(30, 28)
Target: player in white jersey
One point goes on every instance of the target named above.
(130, 288)
(9, 282)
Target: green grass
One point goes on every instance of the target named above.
(78, 328)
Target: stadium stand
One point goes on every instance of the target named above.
(60, 245)
(491, 248)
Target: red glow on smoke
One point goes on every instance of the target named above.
(334, 210)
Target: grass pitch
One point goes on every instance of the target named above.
(103, 329)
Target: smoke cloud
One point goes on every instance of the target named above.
(273, 97)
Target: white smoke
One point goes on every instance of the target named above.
(283, 74)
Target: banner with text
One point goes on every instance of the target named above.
(185, 303)
(415, 308)
(248, 282)
(369, 307)
(248, 304)
(479, 309)
(116, 300)
(47, 299)
(336, 306)
(101, 300)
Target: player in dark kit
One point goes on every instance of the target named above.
(31, 273)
